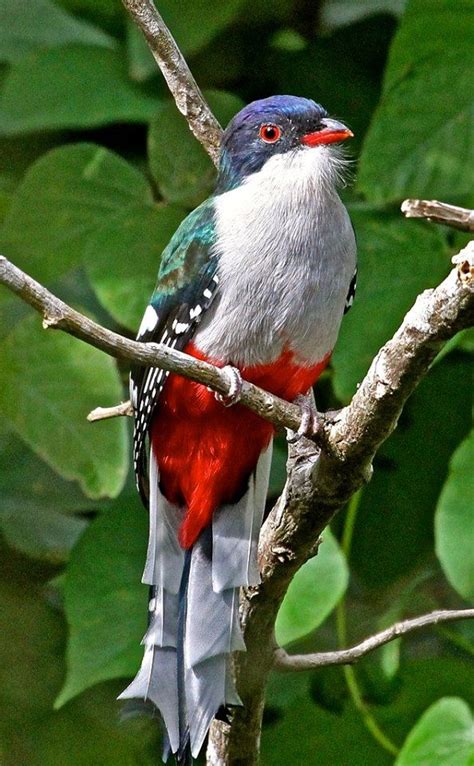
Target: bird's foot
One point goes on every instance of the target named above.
(235, 387)
(312, 421)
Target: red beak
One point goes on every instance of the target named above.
(331, 132)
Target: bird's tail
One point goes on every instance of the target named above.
(193, 612)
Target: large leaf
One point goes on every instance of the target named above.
(313, 593)
(397, 260)
(412, 149)
(66, 196)
(48, 384)
(123, 257)
(454, 521)
(37, 504)
(141, 64)
(73, 87)
(444, 736)
(27, 25)
(105, 600)
(180, 165)
(84, 204)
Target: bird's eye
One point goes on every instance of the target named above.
(270, 133)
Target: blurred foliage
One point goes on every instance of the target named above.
(97, 169)
(306, 606)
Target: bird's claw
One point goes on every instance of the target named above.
(235, 387)
(311, 419)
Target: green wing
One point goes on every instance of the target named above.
(187, 284)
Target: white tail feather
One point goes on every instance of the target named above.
(235, 532)
(222, 560)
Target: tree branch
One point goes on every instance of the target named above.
(439, 212)
(177, 74)
(286, 662)
(58, 315)
(319, 481)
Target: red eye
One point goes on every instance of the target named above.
(270, 133)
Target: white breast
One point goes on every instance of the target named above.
(286, 258)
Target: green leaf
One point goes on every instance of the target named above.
(123, 256)
(180, 165)
(66, 197)
(28, 25)
(106, 604)
(141, 64)
(37, 504)
(413, 150)
(73, 87)
(194, 23)
(397, 260)
(83, 204)
(444, 736)
(454, 521)
(48, 384)
(313, 592)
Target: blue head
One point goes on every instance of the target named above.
(272, 126)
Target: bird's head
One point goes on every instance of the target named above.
(272, 127)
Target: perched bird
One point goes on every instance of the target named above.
(257, 278)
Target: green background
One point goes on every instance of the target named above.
(96, 171)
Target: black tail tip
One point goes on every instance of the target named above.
(183, 757)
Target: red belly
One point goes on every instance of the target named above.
(207, 452)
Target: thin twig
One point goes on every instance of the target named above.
(104, 413)
(183, 86)
(439, 212)
(286, 662)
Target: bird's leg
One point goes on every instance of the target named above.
(235, 386)
(311, 420)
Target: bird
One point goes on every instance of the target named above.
(255, 280)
